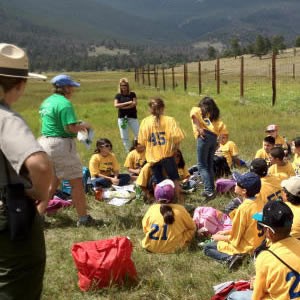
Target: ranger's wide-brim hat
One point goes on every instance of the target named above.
(14, 63)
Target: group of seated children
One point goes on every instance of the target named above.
(168, 226)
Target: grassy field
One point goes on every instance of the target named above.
(184, 275)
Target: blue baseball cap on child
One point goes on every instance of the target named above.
(64, 80)
(249, 181)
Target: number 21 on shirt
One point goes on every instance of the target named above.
(155, 229)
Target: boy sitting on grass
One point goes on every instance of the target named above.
(279, 166)
(264, 152)
(277, 269)
(243, 237)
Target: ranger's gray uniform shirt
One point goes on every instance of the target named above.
(17, 143)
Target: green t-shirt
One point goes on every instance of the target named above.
(56, 113)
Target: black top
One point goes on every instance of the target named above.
(131, 112)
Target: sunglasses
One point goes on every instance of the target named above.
(105, 146)
(270, 131)
(124, 85)
(266, 226)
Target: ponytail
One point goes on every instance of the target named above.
(156, 106)
(167, 213)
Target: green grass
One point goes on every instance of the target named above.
(184, 275)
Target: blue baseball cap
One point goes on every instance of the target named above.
(249, 181)
(64, 80)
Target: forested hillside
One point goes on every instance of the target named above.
(60, 35)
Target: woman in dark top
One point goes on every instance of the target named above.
(126, 102)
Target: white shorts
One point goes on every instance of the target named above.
(64, 156)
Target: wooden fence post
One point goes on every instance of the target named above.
(173, 78)
(137, 75)
(164, 79)
(294, 71)
(143, 75)
(155, 75)
(199, 78)
(185, 79)
(218, 76)
(242, 78)
(273, 79)
(149, 80)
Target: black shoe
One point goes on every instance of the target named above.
(208, 196)
(87, 221)
(235, 261)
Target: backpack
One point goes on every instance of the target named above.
(224, 185)
(103, 262)
(211, 219)
(86, 180)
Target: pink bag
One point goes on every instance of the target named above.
(224, 185)
(211, 219)
(55, 204)
(104, 262)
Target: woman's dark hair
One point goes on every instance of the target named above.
(100, 143)
(209, 109)
(156, 106)
(167, 213)
(296, 141)
(181, 162)
(291, 198)
(7, 83)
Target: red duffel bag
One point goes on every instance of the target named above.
(103, 262)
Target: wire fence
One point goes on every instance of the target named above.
(272, 77)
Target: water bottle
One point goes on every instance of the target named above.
(124, 122)
(138, 193)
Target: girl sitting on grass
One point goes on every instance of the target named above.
(104, 167)
(135, 160)
(168, 226)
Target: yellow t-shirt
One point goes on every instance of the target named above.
(215, 127)
(228, 150)
(287, 170)
(270, 187)
(296, 220)
(144, 175)
(135, 160)
(261, 153)
(164, 238)
(244, 234)
(296, 164)
(105, 165)
(159, 138)
(273, 279)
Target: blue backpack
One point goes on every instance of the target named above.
(86, 180)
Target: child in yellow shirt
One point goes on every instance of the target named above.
(104, 167)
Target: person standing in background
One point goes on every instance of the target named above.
(207, 126)
(126, 102)
(59, 128)
(22, 162)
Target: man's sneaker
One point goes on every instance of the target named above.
(86, 221)
(235, 261)
(208, 196)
